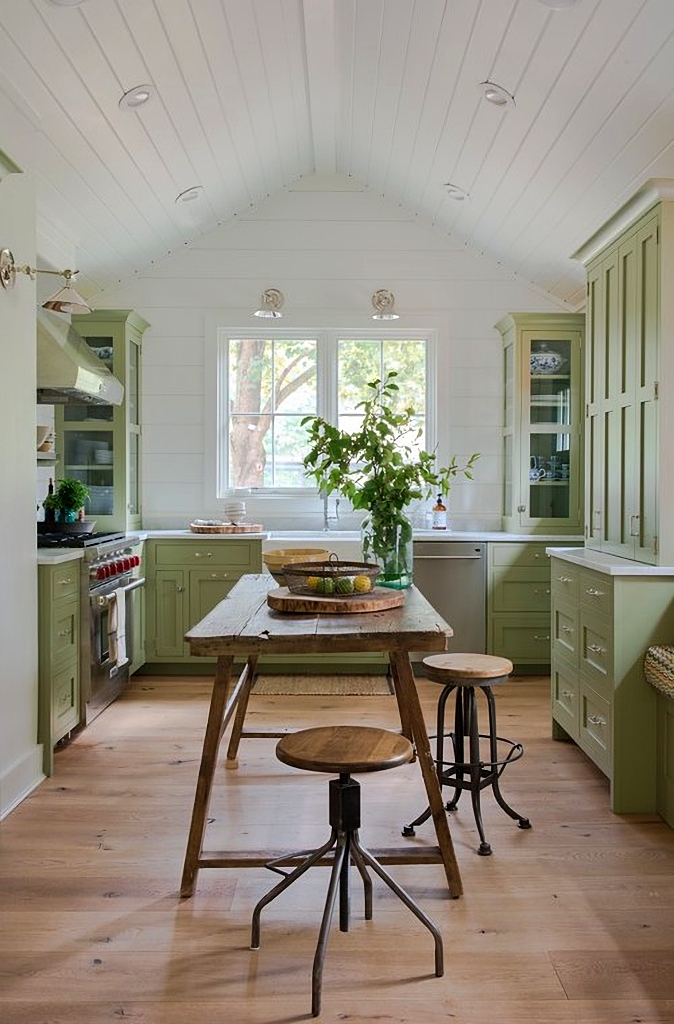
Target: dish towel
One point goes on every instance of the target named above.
(117, 629)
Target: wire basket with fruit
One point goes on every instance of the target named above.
(332, 578)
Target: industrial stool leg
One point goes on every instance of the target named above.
(481, 774)
(345, 821)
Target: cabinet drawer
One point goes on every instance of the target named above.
(509, 594)
(596, 652)
(596, 592)
(65, 580)
(65, 632)
(244, 556)
(564, 580)
(526, 642)
(519, 555)
(65, 702)
(595, 727)
(565, 632)
(565, 696)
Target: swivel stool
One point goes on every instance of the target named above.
(342, 749)
(463, 674)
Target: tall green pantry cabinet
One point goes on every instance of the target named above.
(100, 444)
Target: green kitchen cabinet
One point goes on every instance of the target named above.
(101, 444)
(542, 423)
(602, 623)
(185, 580)
(518, 603)
(58, 655)
(665, 755)
(621, 408)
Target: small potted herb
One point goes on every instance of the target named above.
(67, 501)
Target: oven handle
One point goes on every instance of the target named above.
(103, 600)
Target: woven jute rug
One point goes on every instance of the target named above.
(357, 686)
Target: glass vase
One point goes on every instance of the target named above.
(386, 540)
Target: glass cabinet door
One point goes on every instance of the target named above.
(550, 419)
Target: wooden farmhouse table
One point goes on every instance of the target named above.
(243, 625)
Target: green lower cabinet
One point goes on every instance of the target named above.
(665, 756)
(602, 624)
(59, 652)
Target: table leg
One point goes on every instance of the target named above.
(209, 754)
(240, 716)
(410, 712)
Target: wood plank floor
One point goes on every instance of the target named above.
(572, 921)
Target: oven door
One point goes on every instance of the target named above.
(111, 642)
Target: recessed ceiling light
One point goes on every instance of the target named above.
(497, 95)
(558, 5)
(454, 192)
(190, 195)
(136, 97)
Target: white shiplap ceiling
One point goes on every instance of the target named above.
(252, 95)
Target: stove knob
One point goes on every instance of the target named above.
(126, 562)
(102, 572)
(118, 566)
(136, 560)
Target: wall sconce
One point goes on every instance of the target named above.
(383, 303)
(65, 300)
(271, 301)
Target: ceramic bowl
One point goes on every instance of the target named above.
(41, 434)
(546, 362)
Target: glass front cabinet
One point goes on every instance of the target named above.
(542, 423)
(100, 444)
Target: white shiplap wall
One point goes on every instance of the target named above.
(327, 245)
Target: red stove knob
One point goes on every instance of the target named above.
(126, 562)
(118, 566)
(102, 572)
(135, 560)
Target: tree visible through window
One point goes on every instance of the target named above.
(273, 383)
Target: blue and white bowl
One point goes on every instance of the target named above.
(546, 362)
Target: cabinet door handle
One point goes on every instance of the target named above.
(219, 575)
(566, 630)
(564, 579)
(64, 632)
(596, 649)
(203, 554)
(593, 592)
(568, 694)
(180, 590)
(66, 581)
(597, 517)
(596, 720)
(537, 591)
(542, 639)
(634, 532)
(521, 508)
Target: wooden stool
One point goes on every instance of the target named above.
(464, 673)
(342, 749)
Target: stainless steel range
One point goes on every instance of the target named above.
(110, 586)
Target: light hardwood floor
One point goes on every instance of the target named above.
(572, 921)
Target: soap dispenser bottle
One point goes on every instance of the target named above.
(439, 514)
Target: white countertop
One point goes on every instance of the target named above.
(611, 565)
(54, 556)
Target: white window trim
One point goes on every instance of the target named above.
(217, 333)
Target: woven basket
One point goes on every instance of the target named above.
(331, 578)
(659, 669)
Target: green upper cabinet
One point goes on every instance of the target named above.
(100, 444)
(542, 423)
(621, 413)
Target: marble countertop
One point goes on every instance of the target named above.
(611, 565)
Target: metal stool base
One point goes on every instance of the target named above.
(473, 774)
(345, 821)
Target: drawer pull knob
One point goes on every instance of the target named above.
(537, 591)
(596, 649)
(567, 694)
(219, 575)
(203, 554)
(566, 630)
(596, 720)
(593, 592)
(564, 579)
(542, 639)
(180, 590)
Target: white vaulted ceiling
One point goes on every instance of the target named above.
(251, 95)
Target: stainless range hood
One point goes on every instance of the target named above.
(67, 369)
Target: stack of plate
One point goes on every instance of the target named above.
(234, 511)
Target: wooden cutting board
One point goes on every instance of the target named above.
(228, 528)
(378, 600)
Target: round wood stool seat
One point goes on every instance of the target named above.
(344, 748)
(473, 768)
(468, 669)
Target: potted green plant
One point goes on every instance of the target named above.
(67, 500)
(379, 470)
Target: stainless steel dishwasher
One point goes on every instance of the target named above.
(452, 575)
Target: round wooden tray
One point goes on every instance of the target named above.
(228, 528)
(378, 600)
